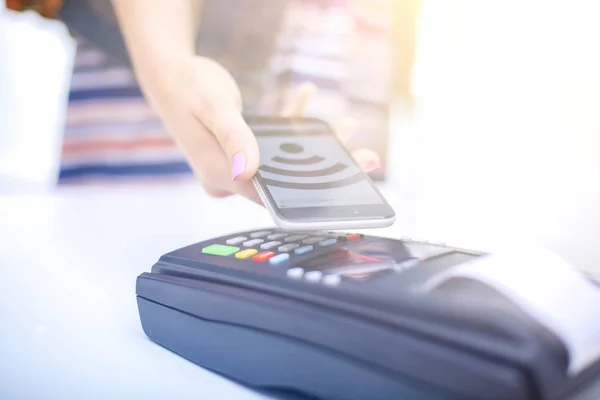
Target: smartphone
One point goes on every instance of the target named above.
(308, 180)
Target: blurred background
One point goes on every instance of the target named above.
(493, 125)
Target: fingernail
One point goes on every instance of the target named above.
(239, 164)
(371, 166)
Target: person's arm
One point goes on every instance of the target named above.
(156, 30)
(197, 99)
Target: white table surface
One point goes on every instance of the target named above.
(69, 261)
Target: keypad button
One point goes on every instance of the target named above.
(312, 240)
(294, 238)
(270, 245)
(279, 258)
(259, 234)
(264, 256)
(303, 250)
(236, 240)
(313, 276)
(252, 243)
(328, 242)
(338, 235)
(220, 250)
(276, 236)
(295, 273)
(246, 253)
(353, 236)
(331, 280)
(288, 247)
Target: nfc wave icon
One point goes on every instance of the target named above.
(286, 170)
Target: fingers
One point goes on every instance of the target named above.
(245, 189)
(299, 100)
(345, 129)
(208, 161)
(215, 192)
(367, 159)
(235, 138)
(205, 156)
(248, 190)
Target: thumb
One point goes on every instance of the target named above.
(237, 141)
(367, 159)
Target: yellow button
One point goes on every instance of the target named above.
(246, 253)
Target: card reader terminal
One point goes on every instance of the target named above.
(349, 316)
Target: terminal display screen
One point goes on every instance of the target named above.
(361, 261)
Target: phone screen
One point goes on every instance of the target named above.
(303, 165)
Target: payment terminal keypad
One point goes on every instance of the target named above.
(328, 258)
(281, 249)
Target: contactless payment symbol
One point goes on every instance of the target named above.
(288, 170)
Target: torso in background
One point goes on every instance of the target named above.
(344, 47)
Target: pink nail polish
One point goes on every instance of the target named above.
(371, 166)
(238, 166)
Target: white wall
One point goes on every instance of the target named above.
(507, 125)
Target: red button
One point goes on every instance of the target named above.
(354, 236)
(264, 256)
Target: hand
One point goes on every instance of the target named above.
(201, 106)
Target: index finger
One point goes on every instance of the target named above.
(237, 140)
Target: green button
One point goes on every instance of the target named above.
(220, 250)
